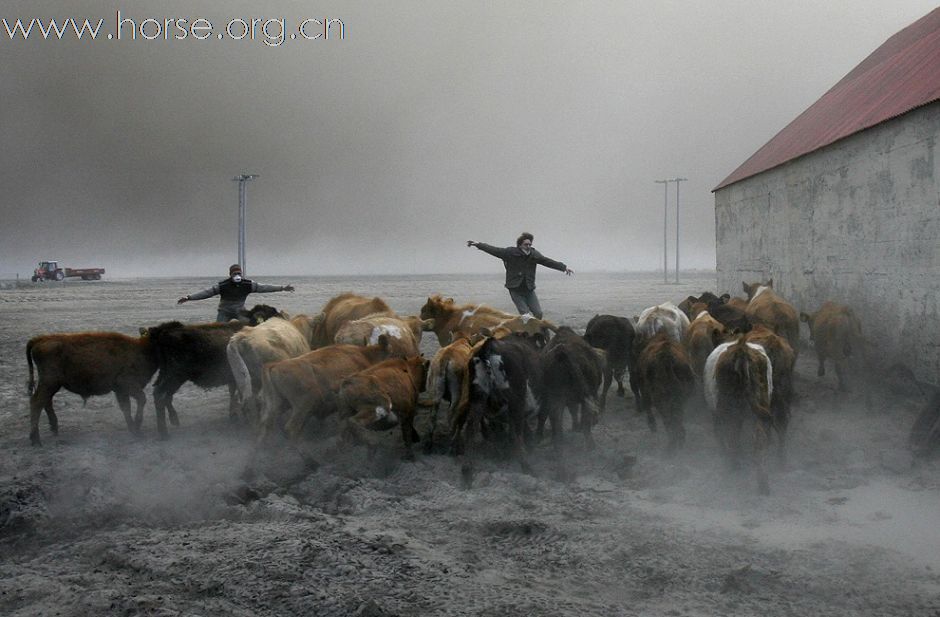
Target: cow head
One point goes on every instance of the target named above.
(435, 306)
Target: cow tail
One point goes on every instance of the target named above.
(435, 380)
(31, 384)
(239, 370)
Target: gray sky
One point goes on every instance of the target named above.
(431, 123)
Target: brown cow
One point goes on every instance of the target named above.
(449, 378)
(404, 332)
(700, 340)
(452, 319)
(665, 381)
(783, 359)
(88, 364)
(572, 371)
(344, 307)
(739, 384)
(836, 334)
(306, 386)
(765, 307)
(382, 396)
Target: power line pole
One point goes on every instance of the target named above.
(677, 180)
(242, 179)
(665, 184)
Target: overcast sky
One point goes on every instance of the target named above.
(430, 123)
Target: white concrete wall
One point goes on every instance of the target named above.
(857, 222)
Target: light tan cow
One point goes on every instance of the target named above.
(252, 347)
(449, 378)
(700, 340)
(404, 332)
(341, 309)
(453, 320)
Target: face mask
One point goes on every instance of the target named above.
(237, 278)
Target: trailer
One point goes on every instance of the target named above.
(50, 271)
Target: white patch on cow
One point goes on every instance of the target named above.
(532, 405)
(386, 414)
(497, 372)
(525, 317)
(770, 381)
(481, 376)
(711, 384)
(469, 314)
(392, 331)
(759, 291)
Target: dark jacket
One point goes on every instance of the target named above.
(520, 268)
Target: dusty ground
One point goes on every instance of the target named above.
(97, 522)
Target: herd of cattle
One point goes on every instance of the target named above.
(502, 376)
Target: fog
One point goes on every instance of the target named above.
(425, 125)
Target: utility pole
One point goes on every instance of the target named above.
(242, 208)
(665, 184)
(677, 180)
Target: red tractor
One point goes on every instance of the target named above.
(50, 271)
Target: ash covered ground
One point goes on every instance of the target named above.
(97, 522)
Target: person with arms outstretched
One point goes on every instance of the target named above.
(520, 262)
(232, 293)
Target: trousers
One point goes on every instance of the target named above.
(526, 301)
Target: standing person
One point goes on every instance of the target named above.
(520, 262)
(232, 292)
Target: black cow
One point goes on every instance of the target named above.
(572, 372)
(258, 313)
(193, 353)
(506, 381)
(615, 336)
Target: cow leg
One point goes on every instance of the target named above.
(163, 392)
(608, 378)
(471, 426)
(618, 375)
(141, 399)
(675, 427)
(588, 418)
(41, 398)
(635, 387)
(408, 435)
(841, 375)
(52, 418)
(821, 370)
(761, 436)
(124, 402)
(517, 426)
(232, 402)
(781, 419)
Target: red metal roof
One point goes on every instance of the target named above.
(901, 75)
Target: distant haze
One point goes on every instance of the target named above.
(429, 124)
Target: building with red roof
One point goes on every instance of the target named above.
(843, 203)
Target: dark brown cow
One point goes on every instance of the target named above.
(739, 384)
(88, 364)
(461, 319)
(306, 386)
(383, 396)
(572, 371)
(193, 353)
(665, 381)
(506, 381)
(837, 335)
(783, 359)
(341, 309)
(615, 336)
(765, 307)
